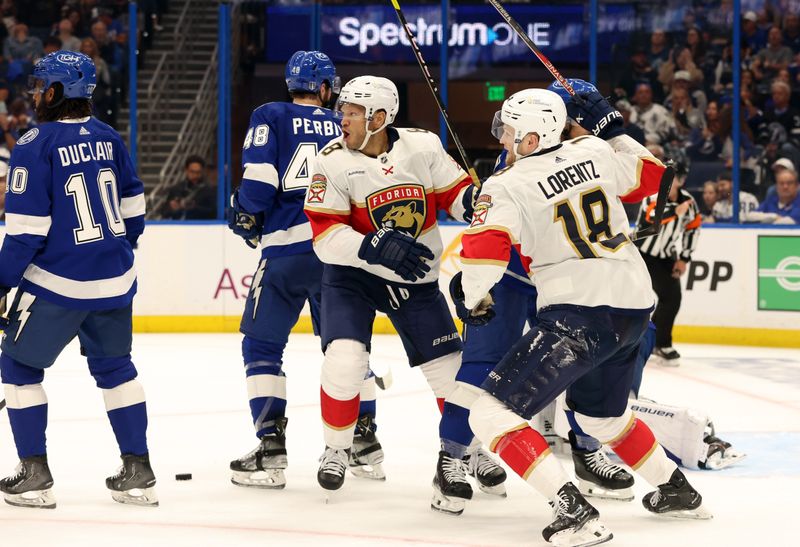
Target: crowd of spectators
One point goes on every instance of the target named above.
(676, 97)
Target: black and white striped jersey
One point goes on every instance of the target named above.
(683, 228)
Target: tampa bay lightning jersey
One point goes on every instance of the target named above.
(278, 151)
(74, 206)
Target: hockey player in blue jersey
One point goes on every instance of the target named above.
(74, 210)
(280, 144)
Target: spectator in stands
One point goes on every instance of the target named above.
(687, 118)
(680, 61)
(775, 56)
(631, 129)
(20, 46)
(710, 197)
(109, 50)
(682, 81)
(79, 25)
(69, 41)
(791, 31)
(785, 201)
(51, 45)
(103, 96)
(639, 72)
(723, 208)
(20, 118)
(777, 152)
(752, 36)
(192, 198)
(696, 45)
(659, 49)
(782, 112)
(654, 119)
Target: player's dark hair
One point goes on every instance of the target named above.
(64, 108)
(310, 94)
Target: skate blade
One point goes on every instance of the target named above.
(498, 490)
(592, 490)
(447, 505)
(593, 532)
(35, 499)
(271, 479)
(668, 363)
(725, 461)
(373, 472)
(331, 496)
(700, 513)
(144, 497)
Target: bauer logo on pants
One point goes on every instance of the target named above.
(779, 273)
(401, 207)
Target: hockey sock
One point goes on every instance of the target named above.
(578, 440)
(367, 406)
(27, 413)
(338, 419)
(266, 383)
(637, 447)
(127, 412)
(529, 456)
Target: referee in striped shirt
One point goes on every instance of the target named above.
(666, 256)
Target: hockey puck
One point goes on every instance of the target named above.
(183, 477)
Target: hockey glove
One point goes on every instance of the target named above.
(244, 224)
(3, 300)
(396, 251)
(477, 317)
(468, 201)
(594, 113)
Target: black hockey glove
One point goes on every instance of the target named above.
(594, 113)
(244, 224)
(483, 312)
(396, 251)
(468, 201)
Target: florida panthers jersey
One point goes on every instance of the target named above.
(73, 206)
(352, 194)
(561, 209)
(279, 147)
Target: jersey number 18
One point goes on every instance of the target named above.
(598, 225)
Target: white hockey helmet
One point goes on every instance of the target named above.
(535, 111)
(373, 93)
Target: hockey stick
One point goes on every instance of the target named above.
(435, 91)
(2, 404)
(661, 203)
(536, 51)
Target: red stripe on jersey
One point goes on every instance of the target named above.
(430, 213)
(487, 245)
(360, 220)
(521, 449)
(338, 414)
(440, 404)
(444, 200)
(320, 222)
(649, 181)
(635, 445)
(526, 260)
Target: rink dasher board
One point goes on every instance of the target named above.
(742, 286)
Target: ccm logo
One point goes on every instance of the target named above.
(605, 121)
(652, 411)
(447, 338)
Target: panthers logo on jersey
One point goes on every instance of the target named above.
(401, 207)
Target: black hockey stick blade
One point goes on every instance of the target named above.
(661, 204)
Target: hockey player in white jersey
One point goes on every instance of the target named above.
(372, 205)
(559, 205)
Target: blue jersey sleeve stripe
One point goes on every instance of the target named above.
(17, 224)
(295, 234)
(261, 172)
(133, 206)
(81, 290)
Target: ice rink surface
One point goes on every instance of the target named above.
(199, 421)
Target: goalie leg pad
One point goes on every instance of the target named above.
(343, 371)
(679, 430)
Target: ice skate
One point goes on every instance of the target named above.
(450, 487)
(133, 484)
(676, 499)
(490, 476)
(30, 484)
(720, 453)
(666, 357)
(332, 465)
(576, 523)
(366, 456)
(264, 466)
(599, 478)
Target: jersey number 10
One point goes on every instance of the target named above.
(597, 225)
(88, 229)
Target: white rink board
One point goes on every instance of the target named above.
(204, 270)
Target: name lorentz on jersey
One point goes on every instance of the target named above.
(561, 209)
(352, 194)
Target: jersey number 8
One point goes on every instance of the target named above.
(598, 226)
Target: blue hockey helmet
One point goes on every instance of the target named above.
(306, 70)
(74, 71)
(578, 85)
